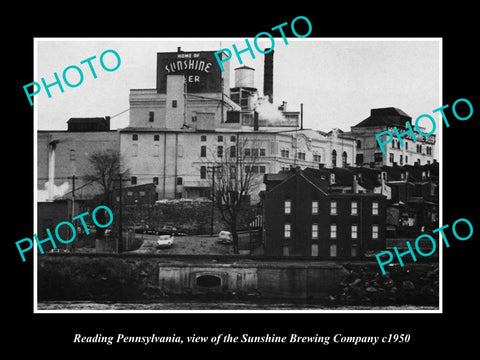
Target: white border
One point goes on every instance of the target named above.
(240, 311)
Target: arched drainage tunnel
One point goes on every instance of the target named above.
(259, 278)
(209, 281)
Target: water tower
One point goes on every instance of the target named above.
(244, 89)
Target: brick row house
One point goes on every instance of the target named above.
(304, 215)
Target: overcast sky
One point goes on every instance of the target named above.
(337, 80)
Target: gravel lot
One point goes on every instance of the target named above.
(196, 245)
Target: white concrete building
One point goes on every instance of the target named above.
(175, 135)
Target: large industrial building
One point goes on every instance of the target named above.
(421, 151)
(179, 130)
(194, 118)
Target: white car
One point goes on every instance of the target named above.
(225, 237)
(164, 241)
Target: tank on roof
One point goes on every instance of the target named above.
(244, 77)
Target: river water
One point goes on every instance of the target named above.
(183, 305)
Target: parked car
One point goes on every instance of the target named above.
(170, 229)
(225, 237)
(164, 241)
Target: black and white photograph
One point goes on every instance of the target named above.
(221, 183)
(237, 189)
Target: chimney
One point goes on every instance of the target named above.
(301, 116)
(255, 121)
(355, 184)
(51, 169)
(268, 76)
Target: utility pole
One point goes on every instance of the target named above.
(73, 202)
(120, 233)
(213, 196)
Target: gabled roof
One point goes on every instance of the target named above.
(389, 116)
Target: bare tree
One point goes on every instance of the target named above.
(106, 166)
(235, 174)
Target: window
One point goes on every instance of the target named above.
(254, 169)
(401, 159)
(375, 208)
(406, 145)
(233, 151)
(333, 231)
(314, 249)
(359, 144)
(374, 231)
(392, 158)
(233, 138)
(354, 208)
(287, 206)
(359, 159)
(344, 159)
(262, 169)
(314, 207)
(129, 193)
(354, 231)
(314, 231)
(203, 138)
(286, 251)
(134, 137)
(233, 171)
(406, 159)
(179, 181)
(317, 158)
(247, 168)
(287, 231)
(378, 157)
(141, 193)
(334, 158)
(333, 250)
(354, 250)
(333, 207)
(194, 117)
(203, 172)
(72, 154)
(262, 152)
(255, 152)
(150, 116)
(156, 137)
(174, 103)
(393, 144)
(285, 153)
(155, 180)
(203, 151)
(247, 151)
(133, 180)
(156, 150)
(220, 151)
(220, 138)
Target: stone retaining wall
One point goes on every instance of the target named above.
(94, 277)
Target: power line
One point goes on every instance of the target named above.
(120, 113)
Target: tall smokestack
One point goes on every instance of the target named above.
(268, 76)
(51, 169)
(255, 121)
(301, 116)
